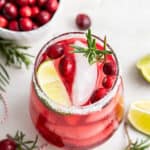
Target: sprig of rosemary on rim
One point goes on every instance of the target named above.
(91, 52)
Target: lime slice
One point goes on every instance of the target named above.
(139, 116)
(144, 66)
(51, 83)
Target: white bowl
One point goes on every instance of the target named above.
(30, 37)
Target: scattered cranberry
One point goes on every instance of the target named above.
(7, 144)
(32, 2)
(10, 11)
(26, 24)
(108, 82)
(25, 11)
(52, 5)
(35, 11)
(2, 3)
(41, 2)
(43, 17)
(3, 22)
(55, 51)
(83, 21)
(34, 26)
(13, 25)
(66, 66)
(98, 94)
(22, 2)
(109, 68)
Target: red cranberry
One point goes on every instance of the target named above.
(8, 144)
(35, 10)
(66, 66)
(32, 2)
(2, 3)
(109, 68)
(22, 2)
(108, 82)
(13, 25)
(52, 5)
(10, 11)
(98, 94)
(25, 11)
(43, 17)
(25, 24)
(41, 2)
(83, 21)
(3, 22)
(34, 26)
(55, 51)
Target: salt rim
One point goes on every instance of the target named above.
(80, 110)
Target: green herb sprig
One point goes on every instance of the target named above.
(91, 52)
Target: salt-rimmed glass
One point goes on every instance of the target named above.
(76, 127)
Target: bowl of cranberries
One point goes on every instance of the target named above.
(26, 20)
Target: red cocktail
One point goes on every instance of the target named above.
(74, 104)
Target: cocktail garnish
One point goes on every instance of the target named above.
(91, 52)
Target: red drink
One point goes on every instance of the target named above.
(81, 124)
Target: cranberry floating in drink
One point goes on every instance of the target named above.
(77, 92)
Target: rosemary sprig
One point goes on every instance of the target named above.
(91, 52)
(138, 144)
(22, 143)
(13, 53)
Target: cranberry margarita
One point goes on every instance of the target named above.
(74, 104)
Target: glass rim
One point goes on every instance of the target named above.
(52, 105)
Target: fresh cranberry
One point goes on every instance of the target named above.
(43, 17)
(3, 22)
(41, 2)
(13, 25)
(55, 51)
(34, 26)
(66, 66)
(2, 3)
(25, 24)
(35, 11)
(25, 11)
(22, 2)
(98, 94)
(10, 11)
(108, 82)
(109, 68)
(83, 21)
(32, 2)
(8, 144)
(52, 5)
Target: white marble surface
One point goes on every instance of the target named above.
(127, 26)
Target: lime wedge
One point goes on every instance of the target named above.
(139, 116)
(51, 83)
(144, 66)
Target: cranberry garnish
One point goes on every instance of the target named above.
(25, 24)
(32, 2)
(3, 22)
(22, 2)
(13, 25)
(109, 68)
(55, 51)
(10, 11)
(83, 21)
(52, 5)
(98, 94)
(66, 66)
(34, 26)
(43, 17)
(8, 144)
(41, 2)
(2, 3)
(25, 11)
(108, 82)
(35, 10)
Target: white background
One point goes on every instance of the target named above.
(127, 26)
